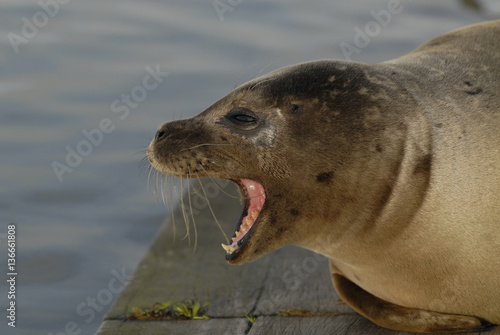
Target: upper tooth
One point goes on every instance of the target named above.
(255, 213)
(229, 248)
(249, 221)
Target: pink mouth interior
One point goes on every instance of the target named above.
(256, 196)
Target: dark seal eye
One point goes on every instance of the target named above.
(242, 116)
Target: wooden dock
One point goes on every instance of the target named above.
(288, 291)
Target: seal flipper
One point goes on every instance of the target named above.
(391, 316)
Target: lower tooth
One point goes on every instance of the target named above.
(229, 248)
(255, 213)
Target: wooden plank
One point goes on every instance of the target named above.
(195, 327)
(318, 325)
(325, 325)
(298, 279)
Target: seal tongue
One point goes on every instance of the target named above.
(255, 193)
(256, 196)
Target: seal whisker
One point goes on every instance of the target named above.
(265, 67)
(145, 169)
(183, 209)
(144, 164)
(197, 192)
(205, 144)
(216, 184)
(159, 186)
(191, 210)
(149, 176)
(162, 191)
(252, 87)
(211, 210)
(171, 206)
(187, 137)
(155, 190)
(141, 151)
(241, 74)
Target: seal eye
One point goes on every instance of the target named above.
(242, 116)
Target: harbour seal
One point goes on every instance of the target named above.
(390, 170)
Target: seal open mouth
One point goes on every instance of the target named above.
(254, 198)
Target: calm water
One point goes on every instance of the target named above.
(77, 81)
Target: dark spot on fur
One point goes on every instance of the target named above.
(296, 109)
(273, 219)
(475, 92)
(294, 211)
(281, 230)
(223, 138)
(423, 165)
(379, 148)
(324, 177)
(438, 125)
(471, 90)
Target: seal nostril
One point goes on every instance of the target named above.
(159, 134)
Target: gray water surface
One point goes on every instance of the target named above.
(84, 229)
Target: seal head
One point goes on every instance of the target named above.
(295, 141)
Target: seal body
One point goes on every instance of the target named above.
(391, 170)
